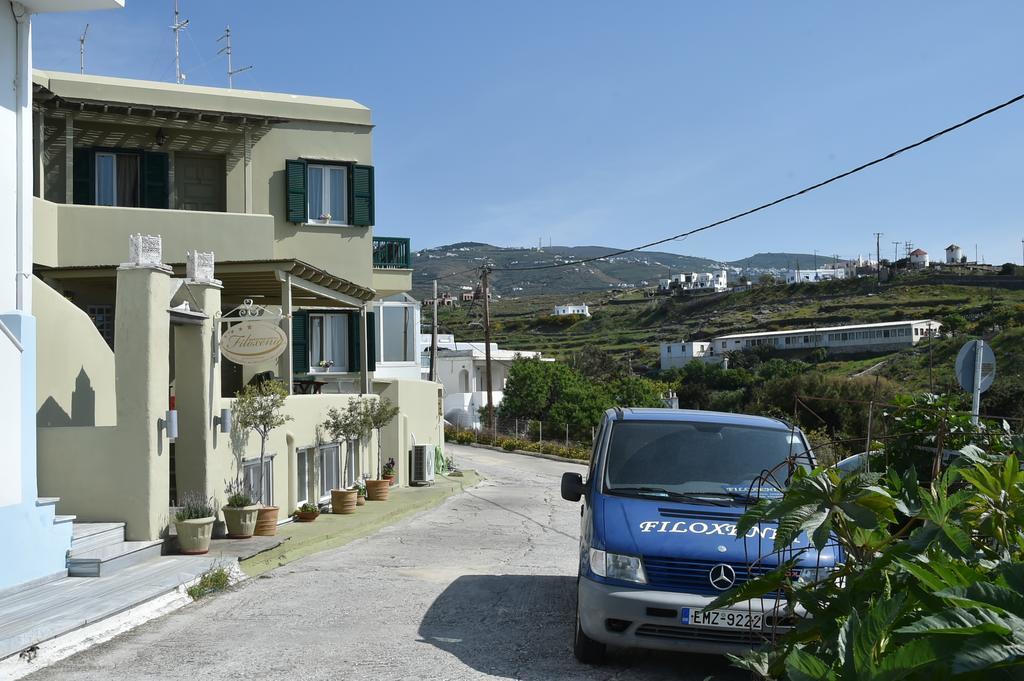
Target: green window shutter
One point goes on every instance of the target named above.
(155, 180)
(371, 342)
(300, 342)
(295, 190)
(360, 196)
(84, 180)
(354, 344)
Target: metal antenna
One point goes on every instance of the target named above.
(177, 26)
(227, 48)
(81, 50)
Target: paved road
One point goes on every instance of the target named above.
(479, 588)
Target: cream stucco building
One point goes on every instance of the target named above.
(280, 189)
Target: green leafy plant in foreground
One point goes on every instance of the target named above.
(210, 582)
(931, 583)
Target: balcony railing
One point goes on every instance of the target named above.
(391, 253)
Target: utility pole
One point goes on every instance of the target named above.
(878, 256)
(177, 27)
(895, 251)
(433, 338)
(81, 50)
(227, 49)
(484, 276)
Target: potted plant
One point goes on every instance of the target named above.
(325, 365)
(388, 471)
(344, 500)
(193, 522)
(376, 415)
(240, 512)
(325, 217)
(258, 408)
(360, 493)
(306, 513)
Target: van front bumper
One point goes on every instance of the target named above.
(654, 620)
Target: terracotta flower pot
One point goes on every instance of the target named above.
(343, 501)
(306, 516)
(390, 479)
(240, 520)
(194, 535)
(266, 521)
(377, 490)
(360, 500)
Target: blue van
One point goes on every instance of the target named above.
(658, 539)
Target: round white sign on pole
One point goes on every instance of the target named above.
(253, 342)
(965, 365)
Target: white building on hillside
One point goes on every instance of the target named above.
(675, 355)
(561, 310)
(919, 258)
(799, 276)
(954, 254)
(696, 281)
(882, 336)
(462, 370)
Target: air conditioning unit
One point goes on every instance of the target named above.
(422, 469)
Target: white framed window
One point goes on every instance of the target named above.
(351, 462)
(328, 340)
(117, 179)
(303, 459)
(330, 469)
(326, 189)
(251, 477)
(395, 332)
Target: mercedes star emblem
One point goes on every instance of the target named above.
(722, 576)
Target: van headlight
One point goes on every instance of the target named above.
(617, 566)
(812, 575)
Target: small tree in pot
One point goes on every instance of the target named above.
(239, 512)
(258, 408)
(378, 414)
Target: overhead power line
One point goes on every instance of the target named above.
(777, 201)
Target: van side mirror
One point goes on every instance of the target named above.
(572, 486)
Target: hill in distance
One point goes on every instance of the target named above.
(630, 270)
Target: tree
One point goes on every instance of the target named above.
(595, 363)
(1008, 269)
(954, 324)
(635, 391)
(766, 279)
(258, 408)
(377, 414)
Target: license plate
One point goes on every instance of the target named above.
(722, 619)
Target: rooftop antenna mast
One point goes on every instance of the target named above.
(81, 50)
(177, 26)
(227, 49)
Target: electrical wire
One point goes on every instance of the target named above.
(763, 206)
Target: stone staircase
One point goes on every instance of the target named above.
(100, 549)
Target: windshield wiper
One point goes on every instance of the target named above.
(744, 496)
(661, 492)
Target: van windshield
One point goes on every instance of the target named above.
(702, 459)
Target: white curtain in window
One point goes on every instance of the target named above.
(302, 464)
(395, 333)
(315, 192)
(337, 327)
(337, 194)
(316, 336)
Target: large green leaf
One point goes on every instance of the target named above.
(964, 622)
(803, 666)
(986, 594)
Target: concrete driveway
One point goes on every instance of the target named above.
(478, 588)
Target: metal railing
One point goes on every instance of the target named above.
(391, 252)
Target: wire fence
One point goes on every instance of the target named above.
(547, 437)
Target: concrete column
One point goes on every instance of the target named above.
(285, 366)
(364, 376)
(142, 375)
(247, 168)
(197, 396)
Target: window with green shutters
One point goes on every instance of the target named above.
(302, 189)
(121, 177)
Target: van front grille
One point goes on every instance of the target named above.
(692, 576)
(707, 634)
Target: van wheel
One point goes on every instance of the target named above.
(586, 649)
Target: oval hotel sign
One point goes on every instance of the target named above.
(253, 342)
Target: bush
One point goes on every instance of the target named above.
(464, 437)
(211, 581)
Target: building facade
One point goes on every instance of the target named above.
(799, 276)
(275, 195)
(919, 258)
(562, 310)
(675, 355)
(29, 523)
(696, 281)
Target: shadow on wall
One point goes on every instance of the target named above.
(83, 407)
(521, 626)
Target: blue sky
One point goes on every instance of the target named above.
(615, 123)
